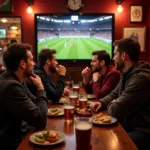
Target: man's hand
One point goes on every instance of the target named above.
(61, 70)
(96, 76)
(86, 72)
(95, 106)
(37, 81)
(66, 92)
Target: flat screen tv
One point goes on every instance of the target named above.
(2, 33)
(74, 36)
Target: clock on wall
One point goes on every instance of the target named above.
(74, 5)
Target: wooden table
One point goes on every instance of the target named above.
(111, 137)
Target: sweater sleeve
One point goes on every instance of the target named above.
(110, 84)
(20, 104)
(88, 87)
(133, 97)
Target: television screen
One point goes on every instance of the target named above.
(74, 37)
(2, 33)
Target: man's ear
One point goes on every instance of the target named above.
(125, 56)
(48, 62)
(23, 64)
(102, 62)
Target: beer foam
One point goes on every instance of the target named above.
(69, 107)
(73, 96)
(83, 125)
(82, 99)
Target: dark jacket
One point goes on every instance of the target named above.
(105, 85)
(53, 91)
(133, 98)
(17, 104)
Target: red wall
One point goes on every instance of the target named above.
(90, 6)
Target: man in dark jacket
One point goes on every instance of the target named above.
(17, 104)
(104, 76)
(130, 101)
(47, 65)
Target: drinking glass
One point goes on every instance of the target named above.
(83, 129)
(82, 101)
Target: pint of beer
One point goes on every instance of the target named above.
(73, 97)
(83, 101)
(69, 113)
(83, 127)
(76, 87)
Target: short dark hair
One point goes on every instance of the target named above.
(102, 55)
(13, 41)
(14, 54)
(44, 55)
(129, 46)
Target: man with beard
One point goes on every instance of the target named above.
(17, 104)
(47, 65)
(129, 102)
(104, 76)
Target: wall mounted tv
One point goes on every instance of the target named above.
(2, 33)
(73, 36)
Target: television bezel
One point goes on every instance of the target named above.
(70, 61)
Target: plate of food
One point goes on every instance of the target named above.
(101, 119)
(63, 100)
(91, 96)
(55, 112)
(49, 137)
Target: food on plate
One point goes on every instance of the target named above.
(101, 118)
(62, 100)
(55, 111)
(47, 137)
(90, 96)
(84, 112)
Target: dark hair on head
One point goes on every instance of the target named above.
(102, 55)
(13, 41)
(14, 54)
(44, 55)
(129, 46)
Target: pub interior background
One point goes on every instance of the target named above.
(90, 6)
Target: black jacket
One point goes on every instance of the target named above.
(17, 104)
(53, 91)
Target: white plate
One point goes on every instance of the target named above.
(55, 115)
(113, 120)
(61, 138)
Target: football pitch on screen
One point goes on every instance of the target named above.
(74, 48)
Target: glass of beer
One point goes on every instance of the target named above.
(82, 101)
(69, 113)
(73, 97)
(76, 87)
(83, 128)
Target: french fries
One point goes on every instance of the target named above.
(101, 118)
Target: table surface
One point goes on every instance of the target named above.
(108, 137)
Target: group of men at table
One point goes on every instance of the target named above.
(124, 93)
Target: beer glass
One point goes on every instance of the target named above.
(73, 97)
(82, 101)
(76, 87)
(69, 113)
(83, 128)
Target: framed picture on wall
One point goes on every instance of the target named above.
(136, 33)
(136, 13)
(6, 5)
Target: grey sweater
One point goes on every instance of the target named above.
(133, 98)
(17, 104)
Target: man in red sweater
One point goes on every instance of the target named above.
(104, 76)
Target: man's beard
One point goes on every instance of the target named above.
(98, 69)
(119, 66)
(28, 73)
(52, 69)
